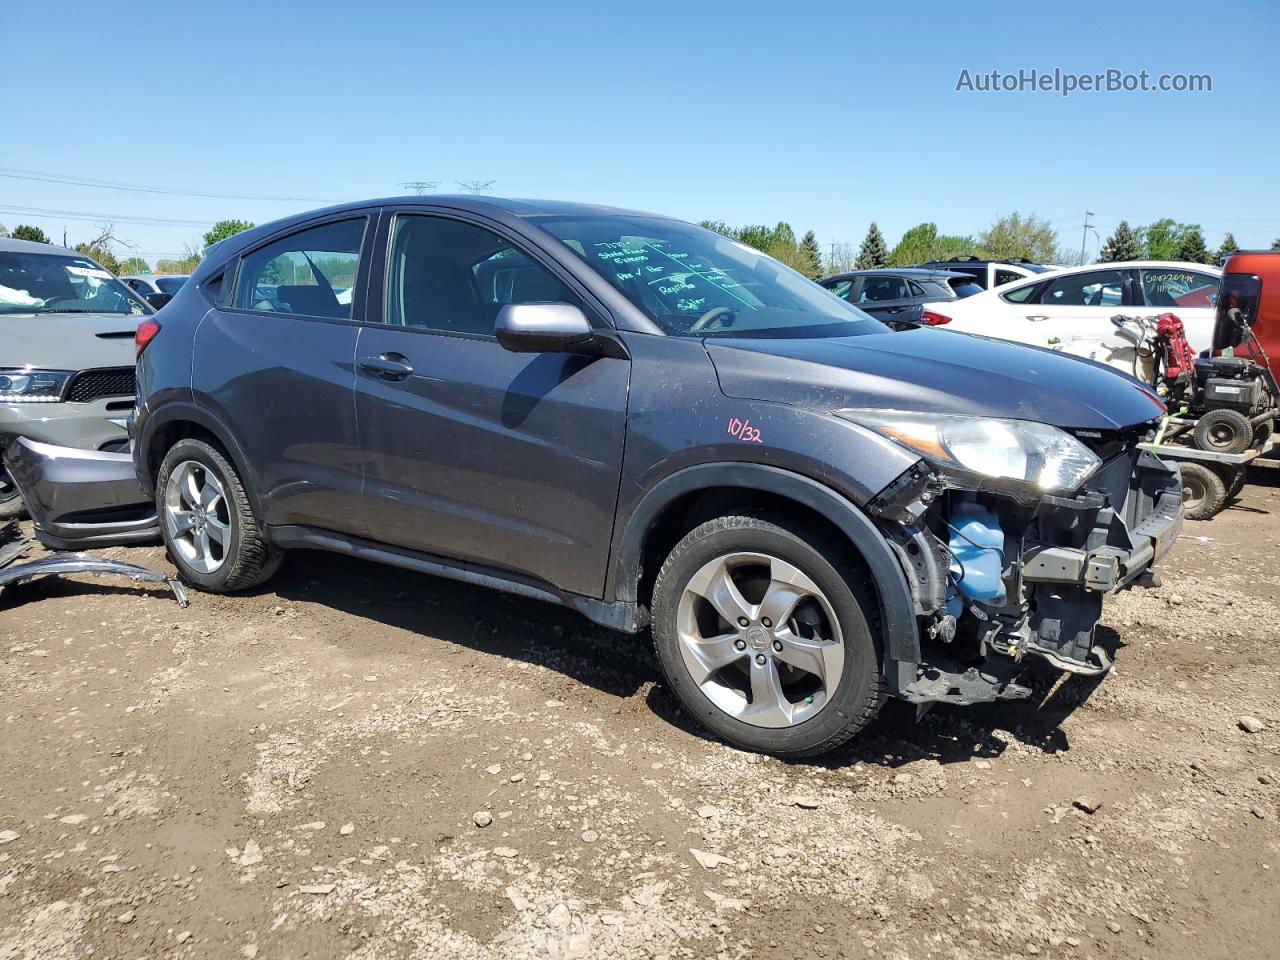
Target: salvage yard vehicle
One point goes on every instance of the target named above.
(990, 273)
(1077, 303)
(897, 296)
(656, 426)
(66, 353)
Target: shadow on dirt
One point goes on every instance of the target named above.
(624, 666)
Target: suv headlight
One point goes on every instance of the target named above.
(1036, 454)
(32, 386)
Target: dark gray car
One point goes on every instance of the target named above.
(659, 427)
(897, 295)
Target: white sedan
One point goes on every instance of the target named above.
(1071, 309)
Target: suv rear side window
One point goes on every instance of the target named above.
(880, 289)
(311, 273)
(453, 277)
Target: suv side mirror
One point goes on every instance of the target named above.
(543, 328)
(157, 300)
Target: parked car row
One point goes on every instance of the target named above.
(810, 508)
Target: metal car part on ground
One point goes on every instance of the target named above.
(81, 498)
(13, 546)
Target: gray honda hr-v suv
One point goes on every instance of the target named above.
(659, 427)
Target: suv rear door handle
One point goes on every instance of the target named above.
(389, 366)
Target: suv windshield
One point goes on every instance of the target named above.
(693, 282)
(53, 283)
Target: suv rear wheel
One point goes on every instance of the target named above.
(767, 636)
(208, 526)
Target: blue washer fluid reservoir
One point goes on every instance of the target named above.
(978, 546)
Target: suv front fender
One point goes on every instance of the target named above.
(901, 637)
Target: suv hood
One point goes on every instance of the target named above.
(933, 371)
(67, 341)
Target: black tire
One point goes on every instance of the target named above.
(249, 560)
(1224, 431)
(1203, 492)
(12, 506)
(859, 693)
(1237, 482)
(1262, 433)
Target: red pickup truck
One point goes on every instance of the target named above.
(1251, 283)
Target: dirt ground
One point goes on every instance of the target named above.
(302, 772)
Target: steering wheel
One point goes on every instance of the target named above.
(52, 300)
(705, 321)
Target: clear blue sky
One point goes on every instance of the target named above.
(828, 115)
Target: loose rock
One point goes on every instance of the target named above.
(482, 818)
(1251, 724)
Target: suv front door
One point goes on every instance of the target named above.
(508, 460)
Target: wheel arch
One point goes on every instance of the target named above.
(181, 421)
(670, 503)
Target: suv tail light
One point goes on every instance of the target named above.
(145, 333)
(931, 319)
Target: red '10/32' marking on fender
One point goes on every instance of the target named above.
(743, 430)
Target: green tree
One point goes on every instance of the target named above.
(225, 228)
(101, 253)
(1122, 245)
(4, 231)
(873, 252)
(1191, 248)
(813, 254)
(1018, 236)
(1229, 246)
(26, 232)
(923, 243)
(1275, 244)
(1160, 240)
(134, 265)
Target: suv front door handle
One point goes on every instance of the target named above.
(1037, 317)
(389, 366)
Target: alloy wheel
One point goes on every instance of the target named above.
(197, 516)
(760, 639)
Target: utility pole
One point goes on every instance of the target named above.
(1084, 235)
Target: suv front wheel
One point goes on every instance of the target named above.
(207, 523)
(767, 636)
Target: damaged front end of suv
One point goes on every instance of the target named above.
(1010, 533)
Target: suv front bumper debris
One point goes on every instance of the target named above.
(1061, 555)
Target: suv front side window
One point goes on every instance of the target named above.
(453, 277)
(311, 273)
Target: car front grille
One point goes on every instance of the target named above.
(90, 385)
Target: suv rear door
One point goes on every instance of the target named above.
(274, 362)
(885, 297)
(472, 452)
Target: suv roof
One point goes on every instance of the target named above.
(12, 245)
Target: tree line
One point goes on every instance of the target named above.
(1008, 237)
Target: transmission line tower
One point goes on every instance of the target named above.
(476, 186)
(420, 186)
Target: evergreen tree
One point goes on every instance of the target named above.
(1229, 246)
(26, 232)
(809, 247)
(1191, 248)
(873, 252)
(1275, 244)
(1123, 245)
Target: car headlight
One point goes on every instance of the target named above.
(32, 386)
(1036, 454)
